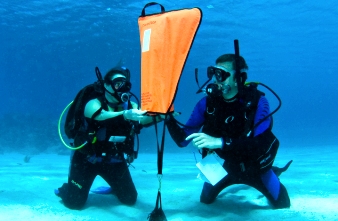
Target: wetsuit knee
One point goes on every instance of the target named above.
(283, 200)
(128, 199)
(74, 201)
(76, 205)
(207, 195)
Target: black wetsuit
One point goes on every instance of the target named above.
(248, 152)
(103, 158)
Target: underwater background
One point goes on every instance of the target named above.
(49, 50)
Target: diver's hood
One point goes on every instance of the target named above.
(121, 70)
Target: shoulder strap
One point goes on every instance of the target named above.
(104, 106)
(251, 96)
(96, 113)
(211, 104)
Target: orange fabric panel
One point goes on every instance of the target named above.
(166, 39)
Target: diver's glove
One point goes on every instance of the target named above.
(134, 114)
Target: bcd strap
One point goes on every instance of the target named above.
(97, 113)
(251, 98)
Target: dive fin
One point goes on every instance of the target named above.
(102, 190)
(57, 192)
(278, 171)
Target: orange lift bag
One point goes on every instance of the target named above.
(166, 39)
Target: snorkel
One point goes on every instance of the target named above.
(240, 76)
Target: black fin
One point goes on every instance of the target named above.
(278, 171)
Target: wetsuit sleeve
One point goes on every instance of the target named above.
(263, 109)
(193, 125)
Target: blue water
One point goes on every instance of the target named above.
(49, 50)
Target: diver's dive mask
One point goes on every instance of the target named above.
(220, 74)
(121, 88)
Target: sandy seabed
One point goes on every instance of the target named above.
(27, 190)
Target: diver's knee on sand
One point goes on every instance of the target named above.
(283, 200)
(207, 196)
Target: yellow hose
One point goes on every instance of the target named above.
(59, 129)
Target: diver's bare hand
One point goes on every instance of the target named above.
(202, 140)
(134, 114)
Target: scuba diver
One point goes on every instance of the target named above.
(236, 125)
(110, 122)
